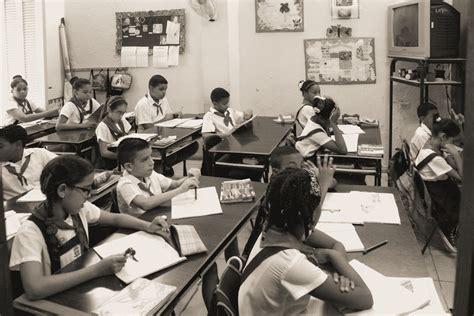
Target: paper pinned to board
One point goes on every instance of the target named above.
(142, 56)
(185, 205)
(172, 33)
(128, 56)
(344, 233)
(173, 55)
(160, 56)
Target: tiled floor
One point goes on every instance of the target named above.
(441, 266)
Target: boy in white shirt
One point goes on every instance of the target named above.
(427, 113)
(154, 106)
(141, 188)
(74, 114)
(21, 167)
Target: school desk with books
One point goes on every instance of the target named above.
(81, 140)
(215, 231)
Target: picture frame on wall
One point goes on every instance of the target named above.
(344, 9)
(279, 16)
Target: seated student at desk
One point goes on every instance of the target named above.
(284, 283)
(154, 106)
(310, 90)
(21, 167)
(315, 136)
(19, 109)
(57, 232)
(141, 188)
(74, 113)
(440, 177)
(112, 127)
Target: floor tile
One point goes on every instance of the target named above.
(446, 267)
(441, 295)
(448, 291)
(430, 266)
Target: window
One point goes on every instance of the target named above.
(22, 48)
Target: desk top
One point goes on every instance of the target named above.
(43, 127)
(260, 137)
(180, 133)
(72, 137)
(216, 231)
(401, 256)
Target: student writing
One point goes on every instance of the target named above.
(21, 167)
(57, 231)
(284, 283)
(75, 112)
(111, 128)
(141, 188)
(315, 135)
(19, 109)
(309, 89)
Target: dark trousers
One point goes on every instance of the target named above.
(445, 199)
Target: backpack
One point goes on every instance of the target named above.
(225, 299)
(400, 161)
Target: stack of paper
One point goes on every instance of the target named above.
(13, 222)
(193, 204)
(33, 196)
(350, 129)
(144, 136)
(344, 233)
(141, 297)
(191, 124)
(172, 123)
(147, 262)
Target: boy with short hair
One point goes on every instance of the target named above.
(141, 188)
(21, 167)
(427, 112)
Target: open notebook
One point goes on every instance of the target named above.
(344, 233)
(148, 262)
(194, 204)
(148, 137)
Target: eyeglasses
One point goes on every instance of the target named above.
(86, 191)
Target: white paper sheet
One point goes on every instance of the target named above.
(142, 56)
(338, 208)
(173, 122)
(350, 129)
(160, 56)
(162, 256)
(173, 55)
(351, 141)
(34, 195)
(128, 57)
(13, 222)
(191, 124)
(344, 233)
(388, 294)
(172, 32)
(185, 205)
(377, 207)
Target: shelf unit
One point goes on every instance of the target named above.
(422, 64)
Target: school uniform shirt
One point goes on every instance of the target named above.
(130, 187)
(436, 169)
(147, 111)
(11, 104)
(38, 158)
(281, 284)
(422, 135)
(71, 112)
(213, 122)
(103, 133)
(29, 244)
(304, 115)
(310, 145)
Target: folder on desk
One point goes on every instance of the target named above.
(162, 256)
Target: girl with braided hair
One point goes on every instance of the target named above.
(57, 231)
(283, 283)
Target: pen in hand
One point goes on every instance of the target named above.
(195, 193)
(380, 244)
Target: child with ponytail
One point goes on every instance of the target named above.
(310, 90)
(57, 231)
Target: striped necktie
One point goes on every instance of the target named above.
(23, 168)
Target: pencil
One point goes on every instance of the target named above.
(195, 193)
(380, 244)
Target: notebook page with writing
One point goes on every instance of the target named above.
(344, 233)
(338, 208)
(377, 207)
(185, 205)
(390, 298)
(162, 255)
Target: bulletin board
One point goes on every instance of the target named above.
(148, 28)
(348, 60)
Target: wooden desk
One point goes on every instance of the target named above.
(79, 139)
(38, 130)
(216, 231)
(258, 139)
(370, 165)
(401, 256)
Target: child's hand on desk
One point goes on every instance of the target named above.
(111, 264)
(189, 183)
(248, 114)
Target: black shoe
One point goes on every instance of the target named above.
(449, 239)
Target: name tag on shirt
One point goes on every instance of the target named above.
(70, 256)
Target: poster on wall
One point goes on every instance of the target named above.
(344, 9)
(340, 60)
(279, 16)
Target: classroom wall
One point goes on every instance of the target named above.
(203, 66)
